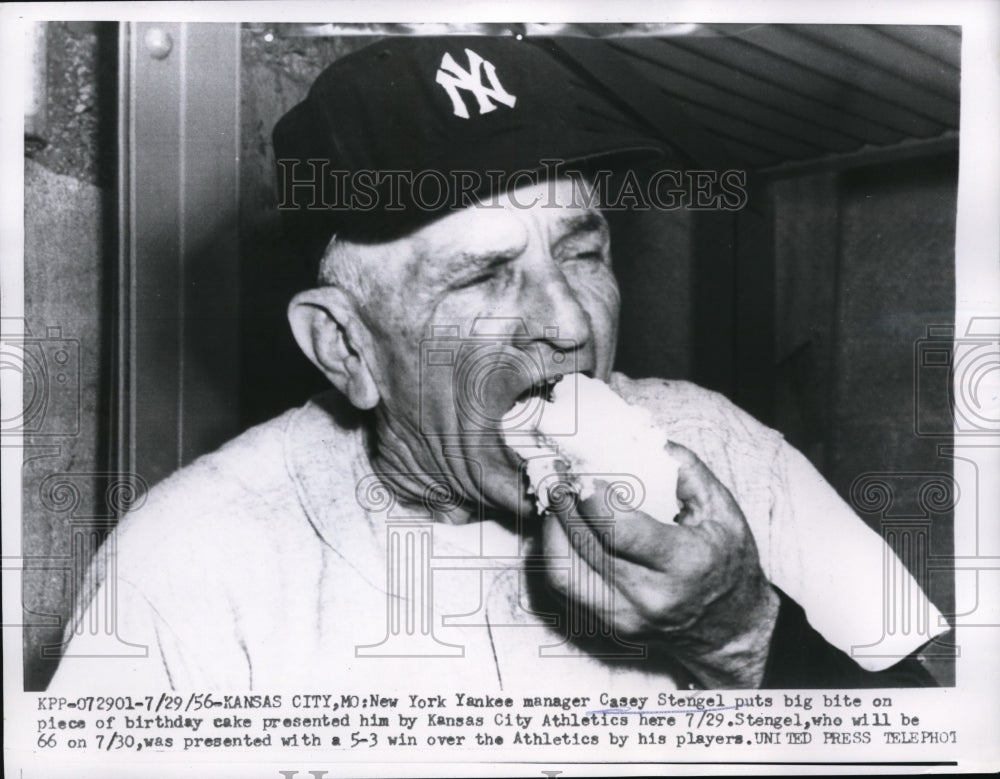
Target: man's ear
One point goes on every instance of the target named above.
(328, 331)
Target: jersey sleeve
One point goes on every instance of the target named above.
(800, 657)
(855, 591)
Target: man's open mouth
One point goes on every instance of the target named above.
(542, 389)
(526, 409)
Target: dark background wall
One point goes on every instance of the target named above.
(857, 262)
(69, 209)
(275, 75)
(865, 263)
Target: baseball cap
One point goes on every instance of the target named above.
(396, 134)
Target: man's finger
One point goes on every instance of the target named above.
(619, 590)
(634, 536)
(703, 495)
(694, 479)
(580, 569)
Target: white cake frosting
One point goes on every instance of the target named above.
(587, 432)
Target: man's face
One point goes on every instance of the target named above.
(475, 311)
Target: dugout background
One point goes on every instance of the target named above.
(153, 255)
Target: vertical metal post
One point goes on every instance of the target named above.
(178, 271)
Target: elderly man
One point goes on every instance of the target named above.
(384, 534)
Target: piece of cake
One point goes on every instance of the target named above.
(584, 431)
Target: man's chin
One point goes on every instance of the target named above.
(504, 484)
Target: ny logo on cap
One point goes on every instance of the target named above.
(453, 78)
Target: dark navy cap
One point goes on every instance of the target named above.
(395, 135)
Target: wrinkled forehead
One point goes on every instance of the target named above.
(506, 222)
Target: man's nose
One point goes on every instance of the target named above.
(551, 308)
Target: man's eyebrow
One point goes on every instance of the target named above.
(465, 260)
(459, 263)
(588, 221)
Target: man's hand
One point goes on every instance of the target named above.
(694, 585)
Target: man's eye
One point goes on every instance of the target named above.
(480, 278)
(587, 255)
